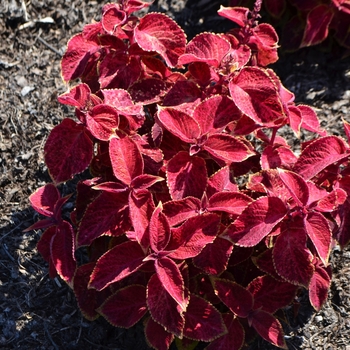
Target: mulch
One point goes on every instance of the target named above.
(39, 313)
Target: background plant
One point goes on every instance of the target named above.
(198, 212)
(308, 22)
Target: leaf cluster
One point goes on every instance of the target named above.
(199, 218)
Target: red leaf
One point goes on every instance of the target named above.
(181, 210)
(141, 207)
(317, 23)
(310, 121)
(237, 298)
(270, 294)
(102, 121)
(125, 307)
(255, 94)
(256, 221)
(277, 156)
(157, 336)
(78, 96)
(75, 58)
(159, 33)
(265, 39)
(62, 251)
(296, 185)
(116, 264)
(86, 298)
(44, 199)
(292, 259)
(44, 244)
(268, 327)
(318, 230)
(238, 15)
(163, 308)
(186, 176)
(221, 181)
(104, 216)
(234, 339)
(127, 162)
(179, 124)
(206, 47)
(319, 287)
(215, 113)
(319, 154)
(171, 279)
(275, 7)
(159, 230)
(190, 238)
(68, 150)
(112, 18)
(213, 259)
(203, 321)
(121, 100)
(229, 202)
(227, 148)
(331, 201)
(148, 91)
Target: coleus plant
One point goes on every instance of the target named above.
(308, 22)
(198, 218)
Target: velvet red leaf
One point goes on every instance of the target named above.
(319, 287)
(157, 336)
(318, 230)
(291, 258)
(236, 14)
(237, 298)
(125, 307)
(203, 321)
(215, 113)
(116, 264)
(171, 279)
(75, 59)
(256, 221)
(163, 308)
(102, 121)
(227, 148)
(234, 339)
(44, 199)
(270, 294)
(104, 216)
(78, 96)
(112, 18)
(268, 327)
(186, 176)
(214, 257)
(319, 154)
(86, 298)
(229, 202)
(121, 100)
(62, 251)
(141, 207)
(179, 211)
(68, 150)
(331, 201)
(206, 47)
(317, 25)
(159, 230)
(179, 124)
(190, 238)
(275, 7)
(127, 162)
(157, 32)
(310, 120)
(221, 181)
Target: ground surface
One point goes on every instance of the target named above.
(39, 313)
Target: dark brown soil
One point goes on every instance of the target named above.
(39, 313)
